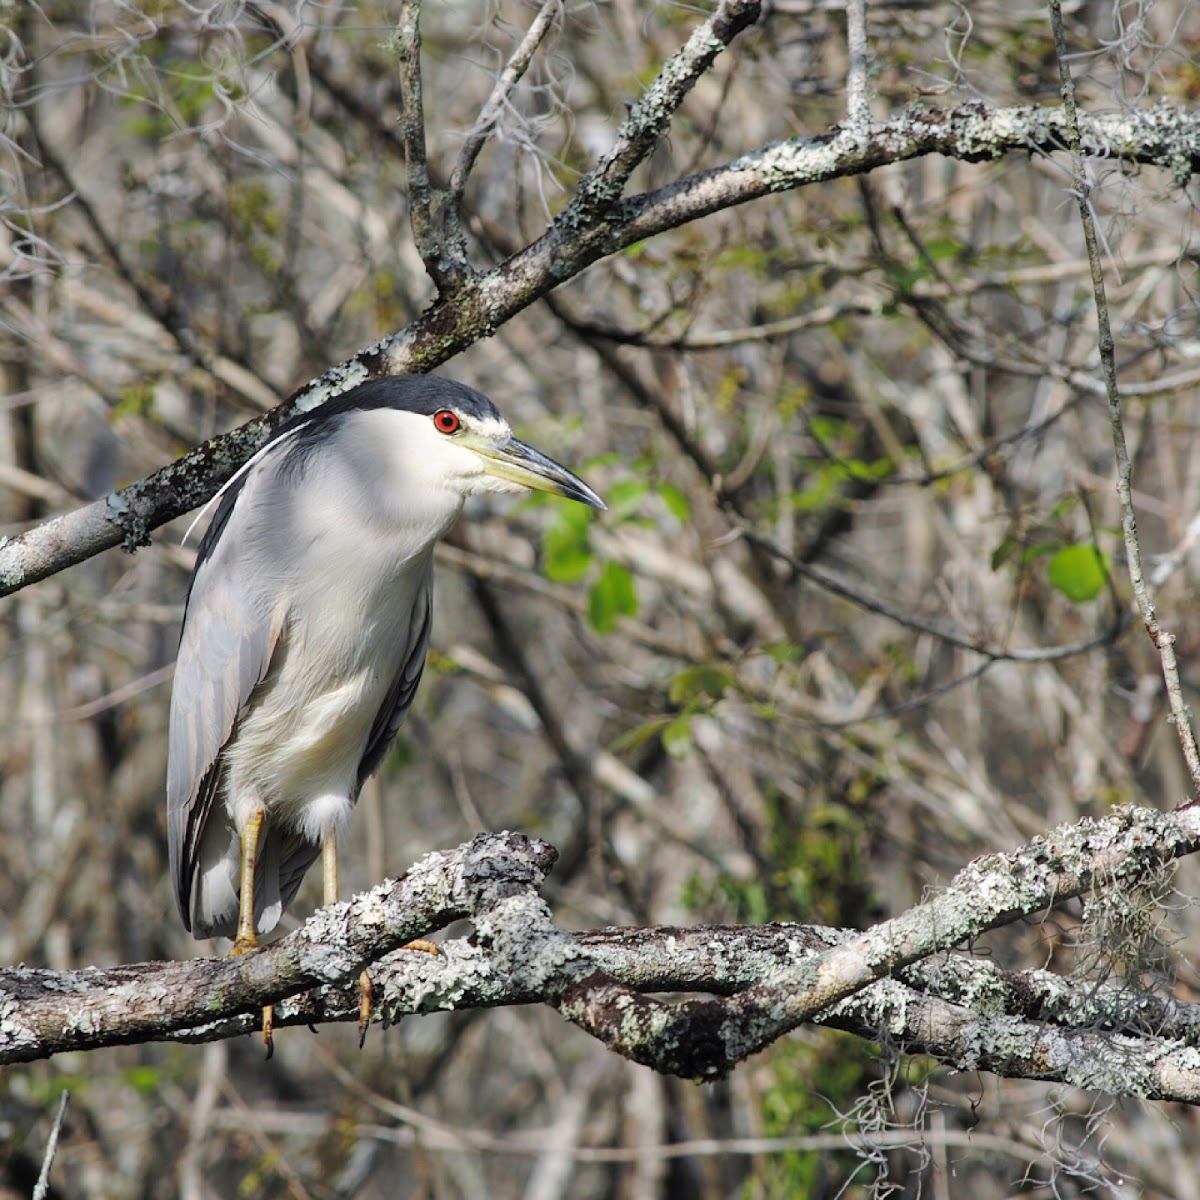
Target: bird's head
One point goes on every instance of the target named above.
(439, 434)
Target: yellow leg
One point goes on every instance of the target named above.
(329, 878)
(329, 870)
(247, 936)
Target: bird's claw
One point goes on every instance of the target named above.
(364, 1007)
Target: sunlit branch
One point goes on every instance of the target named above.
(1163, 136)
(1163, 640)
(858, 97)
(446, 264)
(783, 975)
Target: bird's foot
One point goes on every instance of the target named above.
(422, 944)
(364, 1007)
(365, 989)
(268, 1030)
(243, 944)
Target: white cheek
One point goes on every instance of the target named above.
(454, 466)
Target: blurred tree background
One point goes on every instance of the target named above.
(888, 382)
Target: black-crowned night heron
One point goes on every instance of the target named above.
(305, 631)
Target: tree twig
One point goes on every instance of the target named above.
(42, 1186)
(1163, 640)
(489, 114)
(650, 115)
(952, 637)
(858, 96)
(446, 263)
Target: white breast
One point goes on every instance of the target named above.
(352, 623)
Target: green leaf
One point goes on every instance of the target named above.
(611, 596)
(625, 495)
(677, 737)
(786, 652)
(636, 738)
(828, 430)
(943, 247)
(677, 504)
(1079, 572)
(567, 563)
(1031, 553)
(1004, 552)
(144, 1079)
(566, 552)
(688, 686)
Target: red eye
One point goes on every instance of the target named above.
(447, 421)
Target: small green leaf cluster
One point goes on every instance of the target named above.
(1078, 570)
(811, 1081)
(839, 470)
(694, 692)
(814, 864)
(569, 555)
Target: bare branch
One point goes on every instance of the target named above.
(42, 1187)
(1162, 136)
(858, 96)
(146, 1001)
(650, 116)
(447, 265)
(824, 579)
(1163, 640)
(512, 74)
(703, 1039)
(966, 1012)
(1118, 1064)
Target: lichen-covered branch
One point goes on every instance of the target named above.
(1147, 1067)
(1162, 136)
(46, 1012)
(651, 114)
(965, 1012)
(761, 982)
(705, 1038)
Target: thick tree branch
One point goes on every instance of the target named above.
(45, 1012)
(765, 981)
(965, 1012)
(1161, 136)
(705, 1038)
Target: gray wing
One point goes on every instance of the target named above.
(232, 624)
(296, 854)
(402, 692)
